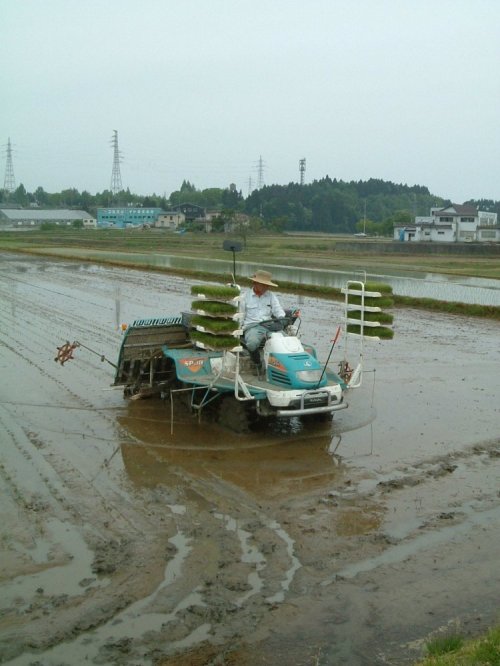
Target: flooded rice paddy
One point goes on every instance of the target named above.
(129, 539)
(463, 289)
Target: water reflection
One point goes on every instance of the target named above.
(285, 460)
(480, 291)
(426, 285)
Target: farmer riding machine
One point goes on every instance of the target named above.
(201, 354)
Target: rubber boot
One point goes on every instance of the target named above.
(257, 361)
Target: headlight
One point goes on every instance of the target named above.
(309, 375)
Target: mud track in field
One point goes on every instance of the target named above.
(124, 543)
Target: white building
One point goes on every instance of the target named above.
(457, 223)
(172, 219)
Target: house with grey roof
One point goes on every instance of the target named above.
(34, 217)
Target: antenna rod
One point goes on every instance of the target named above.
(331, 349)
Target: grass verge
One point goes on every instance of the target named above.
(456, 651)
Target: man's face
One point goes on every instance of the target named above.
(259, 288)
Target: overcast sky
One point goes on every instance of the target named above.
(402, 90)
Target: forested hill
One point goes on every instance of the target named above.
(326, 205)
(337, 206)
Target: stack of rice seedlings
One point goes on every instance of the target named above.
(215, 318)
(365, 305)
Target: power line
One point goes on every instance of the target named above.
(116, 178)
(9, 183)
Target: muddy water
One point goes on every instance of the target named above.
(127, 539)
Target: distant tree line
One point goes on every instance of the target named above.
(325, 205)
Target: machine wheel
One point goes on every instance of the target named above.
(235, 415)
(130, 391)
(318, 418)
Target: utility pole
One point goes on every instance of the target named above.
(9, 183)
(302, 169)
(116, 179)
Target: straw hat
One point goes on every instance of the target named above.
(263, 277)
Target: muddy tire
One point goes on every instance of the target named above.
(235, 415)
(129, 392)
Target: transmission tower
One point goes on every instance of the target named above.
(116, 179)
(302, 169)
(9, 183)
(260, 173)
(250, 185)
